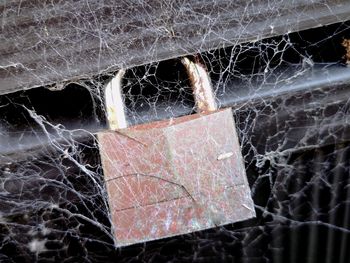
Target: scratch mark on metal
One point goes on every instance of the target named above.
(224, 156)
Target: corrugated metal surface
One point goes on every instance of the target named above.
(44, 42)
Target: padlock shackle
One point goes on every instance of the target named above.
(201, 85)
(115, 103)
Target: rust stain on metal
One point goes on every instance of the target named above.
(172, 183)
(346, 44)
(201, 85)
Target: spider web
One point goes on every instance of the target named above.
(290, 100)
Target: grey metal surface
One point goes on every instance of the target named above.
(45, 42)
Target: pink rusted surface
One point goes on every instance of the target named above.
(174, 177)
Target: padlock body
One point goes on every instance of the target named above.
(174, 177)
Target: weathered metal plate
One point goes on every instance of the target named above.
(174, 177)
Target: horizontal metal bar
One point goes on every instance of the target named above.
(317, 88)
(46, 43)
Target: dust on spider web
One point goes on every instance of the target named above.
(294, 138)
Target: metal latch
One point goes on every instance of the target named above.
(174, 176)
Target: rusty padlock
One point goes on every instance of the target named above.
(175, 176)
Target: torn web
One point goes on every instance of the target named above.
(290, 101)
